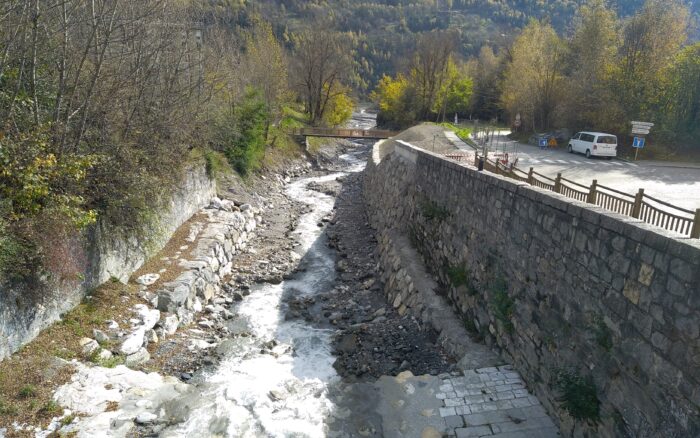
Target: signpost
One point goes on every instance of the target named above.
(640, 130)
(638, 142)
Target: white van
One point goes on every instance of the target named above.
(594, 144)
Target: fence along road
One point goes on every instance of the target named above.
(639, 205)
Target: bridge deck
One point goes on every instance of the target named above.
(372, 134)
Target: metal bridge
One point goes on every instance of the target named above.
(371, 134)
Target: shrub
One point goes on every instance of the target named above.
(458, 276)
(502, 305)
(578, 395)
(243, 139)
(432, 211)
(603, 335)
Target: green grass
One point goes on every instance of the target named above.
(27, 391)
(578, 395)
(603, 335)
(502, 304)
(458, 276)
(462, 132)
(432, 211)
(6, 408)
(51, 407)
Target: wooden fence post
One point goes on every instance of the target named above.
(637, 208)
(593, 192)
(557, 183)
(695, 233)
(530, 176)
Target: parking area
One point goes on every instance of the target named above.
(674, 182)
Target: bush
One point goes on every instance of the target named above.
(458, 276)
(502, 304)
(578, 395)
(243, 141)
(431, 210)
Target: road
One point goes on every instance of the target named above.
(676, 183)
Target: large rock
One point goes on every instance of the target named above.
(171, 300)
(137, 358)
(170, 324)
(88, 346)
(149, 317)
(133, 342)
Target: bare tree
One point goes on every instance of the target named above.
(323, 64)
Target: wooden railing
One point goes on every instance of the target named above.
(640, 205)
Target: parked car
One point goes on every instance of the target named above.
(594, 144)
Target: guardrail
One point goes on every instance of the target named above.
(640, 205)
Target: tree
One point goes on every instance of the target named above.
(264, 66)
(651, 38)
(429, 70)
(323, 66)
(487, 70)
(393, 96)
(679, 106)
(534, 80)
(591, 61)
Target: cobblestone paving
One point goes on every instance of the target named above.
(492, 402)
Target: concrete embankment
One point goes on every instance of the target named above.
(598, 312)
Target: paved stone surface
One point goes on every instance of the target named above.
(408, 406)
(489, 402)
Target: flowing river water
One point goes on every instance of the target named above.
(281, 390)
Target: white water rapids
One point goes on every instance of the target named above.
(253, 394)
(273, 383)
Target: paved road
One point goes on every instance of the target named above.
(677, 183)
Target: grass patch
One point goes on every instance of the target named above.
(432, 211)
(27, 391)
(578, 396)
(216, 164)
(458, 276)
(7, 409)
(65, 421)
(502, 304)
(603, 335)
(29, 377)
(316, 143)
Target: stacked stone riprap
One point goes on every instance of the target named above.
(228, 230)
(557, 286)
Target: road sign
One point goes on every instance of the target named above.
(643, 124)
(640, 131)
(638, 142)
(641, 128)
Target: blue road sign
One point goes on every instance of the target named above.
(638, 142)
(543, 142)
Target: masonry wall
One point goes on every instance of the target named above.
(554, 285)
(103, 253)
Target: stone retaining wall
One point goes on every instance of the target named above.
(107, 253)
(554, 285)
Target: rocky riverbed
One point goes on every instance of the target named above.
(292, 340)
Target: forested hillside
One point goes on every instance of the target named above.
(384, 30)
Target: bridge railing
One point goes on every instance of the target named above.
(640, 205)
(344, 133)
